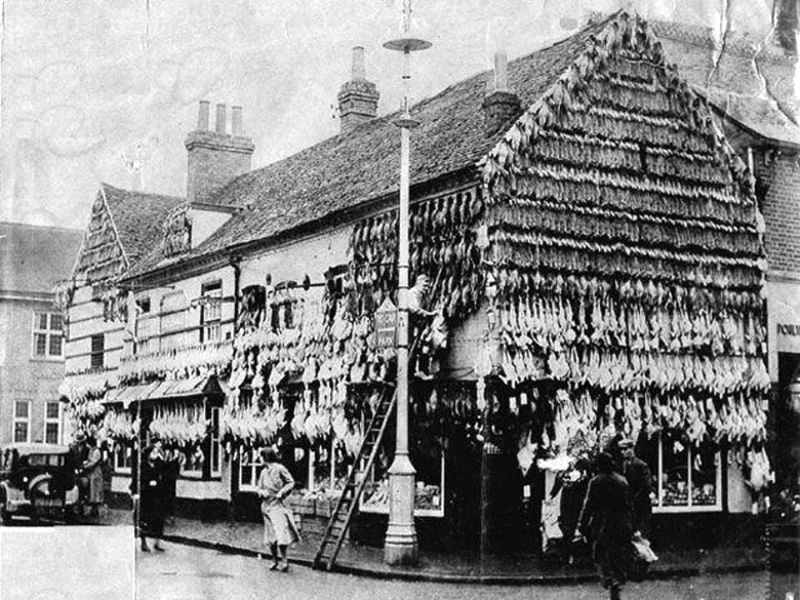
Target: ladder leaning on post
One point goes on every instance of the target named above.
(345, 508)
(340, 518)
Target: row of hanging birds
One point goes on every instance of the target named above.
(583, 419)
(553, 324)
(179, 424)
(555, 218)
(513, 284)
(120, 425)
(212, 358)
(613, 371)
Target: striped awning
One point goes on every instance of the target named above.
(205, 385)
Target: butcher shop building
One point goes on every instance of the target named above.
(597, 233)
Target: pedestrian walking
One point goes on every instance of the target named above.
(637, 474)
(274, 484)
(606, 522)
(149, 491)
(93, 471)
(573, 484)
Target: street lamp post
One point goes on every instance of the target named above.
(400, 546)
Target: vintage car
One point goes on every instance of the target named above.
(37, 480)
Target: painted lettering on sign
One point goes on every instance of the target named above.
(386, 325)
(788, 329)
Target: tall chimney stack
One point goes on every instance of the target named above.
(215, 157)
(501, 105)
(358, 98)
(220, 124)
(236, 121)
(203, 115)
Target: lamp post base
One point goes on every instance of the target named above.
(400, 546)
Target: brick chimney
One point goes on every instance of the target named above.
(500, 105)
(358, 98)
(215, 157)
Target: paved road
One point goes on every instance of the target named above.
(186, 573)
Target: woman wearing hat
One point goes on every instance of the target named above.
(274, 484)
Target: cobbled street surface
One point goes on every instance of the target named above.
(186, 573)
(88, 563)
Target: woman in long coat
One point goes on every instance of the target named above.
(606, 522)
(274, 484)
(149, 490)
(93, 471)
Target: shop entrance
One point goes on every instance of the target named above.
(786, 414)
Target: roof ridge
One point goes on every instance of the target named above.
(104, 184)
(387, 117)
(34, 226)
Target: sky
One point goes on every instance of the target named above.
(106, 90)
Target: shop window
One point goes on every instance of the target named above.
(98, 348)
(52, 422)
(211, 312)
(686, 478)
(123, 458)
(250, 466)
(428, 457)
(48, 335)
(22, 421)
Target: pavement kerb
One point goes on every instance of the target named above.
(439, 577)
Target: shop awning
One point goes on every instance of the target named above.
(206, 385)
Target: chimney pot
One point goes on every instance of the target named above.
(358, 70)
(220, 118)
(236, 120)
(358, 98)
(500, 72)
(501, 105)
(202, 115)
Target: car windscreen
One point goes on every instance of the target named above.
(45, 460)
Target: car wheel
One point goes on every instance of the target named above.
(5, 516)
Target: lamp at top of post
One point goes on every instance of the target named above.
(406, 45)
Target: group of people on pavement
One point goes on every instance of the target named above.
(616, 510)
(153, 478)
(93, 471)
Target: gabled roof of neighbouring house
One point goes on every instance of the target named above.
(124, 226)
(33, 258)
(138, 217)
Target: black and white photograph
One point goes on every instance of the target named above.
(397, 299)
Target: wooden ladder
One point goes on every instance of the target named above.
(345, 508)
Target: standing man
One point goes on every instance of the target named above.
(637, 473)
(606, 522)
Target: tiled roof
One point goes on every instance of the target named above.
(34, 259)
(138, 217)
(351, 168)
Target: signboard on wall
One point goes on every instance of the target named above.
(386, 325)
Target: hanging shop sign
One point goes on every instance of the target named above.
(386, 325)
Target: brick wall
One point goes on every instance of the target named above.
(21, 376)
(782, 211)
